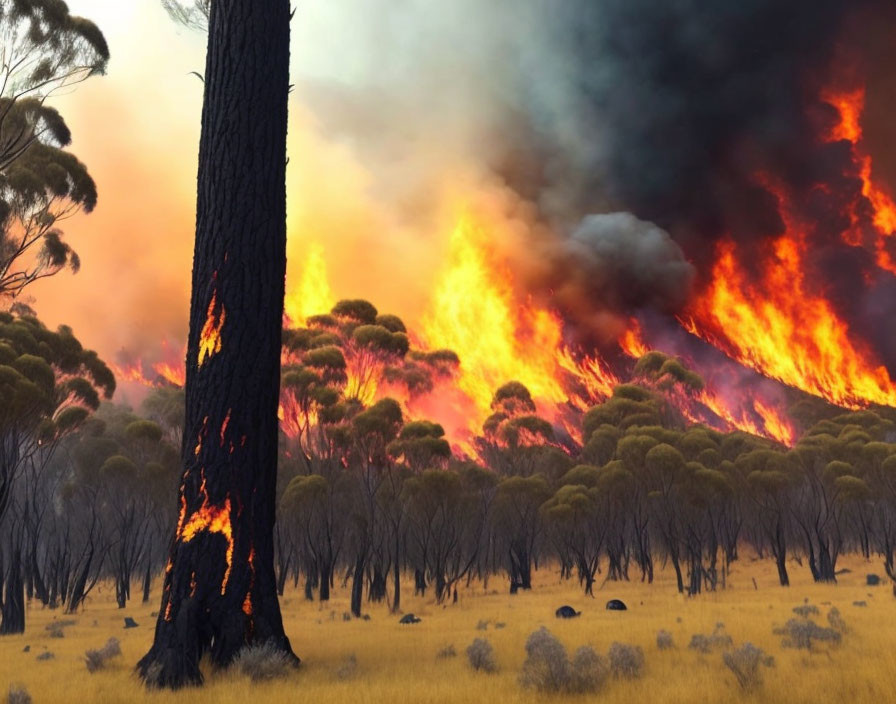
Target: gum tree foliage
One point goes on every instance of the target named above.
(44, 50)
(193, 15)
(49, 385)
(126, 464)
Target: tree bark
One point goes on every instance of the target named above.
(12, 611)
(219, 592)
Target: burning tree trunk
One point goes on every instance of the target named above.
(220, 590)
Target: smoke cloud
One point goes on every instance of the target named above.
(607, 145)
(548, 113)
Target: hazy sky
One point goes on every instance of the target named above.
(137, 129)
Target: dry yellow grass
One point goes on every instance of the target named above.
(397, 663)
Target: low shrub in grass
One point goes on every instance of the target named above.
(18, 695)
(626, 661)
(97, 659)
(549, 670)
(664, 640)
(262, 662)
(746, 662)
(804, 634)
(481, 656)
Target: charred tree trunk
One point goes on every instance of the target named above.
(779, 548)
(396, 579)
(220, 592)
(358, 585)
(147, 581)
(673, 555)
(12, 611)
(420, 582)
(376, 592)
(326, 574)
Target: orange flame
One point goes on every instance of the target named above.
(632, 342)
(312, 295)
(210, 337)
(172, 368)
(773, 424)
(778, 327)
(211, 519)
(851, 105)
(475, 312)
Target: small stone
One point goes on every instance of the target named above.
(130, 623)
(616, 605)
(409, 618)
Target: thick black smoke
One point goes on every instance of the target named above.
(700, 113)
(688, 100)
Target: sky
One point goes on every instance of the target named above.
(137, 130)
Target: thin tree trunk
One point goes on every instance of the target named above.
(357, 585)
(396, 579)
(219, 593)
(12, 613)
(147, 581)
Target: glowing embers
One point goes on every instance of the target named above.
(776, 325)
(247, 602)
(210, 337)
(209, 519)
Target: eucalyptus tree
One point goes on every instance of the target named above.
(43, 50)
(49, 385)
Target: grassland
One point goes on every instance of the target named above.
(397, 663)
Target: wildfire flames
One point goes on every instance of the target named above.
(851, 105)
(772, 318)
(313, 295)
(474, 312)
(169, 370)
(781, 324)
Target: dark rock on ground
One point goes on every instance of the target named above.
(567, 612)
(409, 618)
(872, 580)
(130, 623)
(616, 605)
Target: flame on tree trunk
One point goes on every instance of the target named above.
(219, 590)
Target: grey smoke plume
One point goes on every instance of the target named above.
(629, 263)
